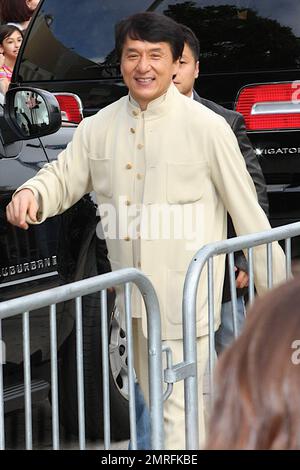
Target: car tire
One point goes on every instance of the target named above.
(92, 363)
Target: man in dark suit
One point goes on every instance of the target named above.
(184, 81)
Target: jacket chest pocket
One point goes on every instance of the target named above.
(101, 174)
(185, 182)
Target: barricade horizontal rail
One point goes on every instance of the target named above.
(49, 298)
(199, 260)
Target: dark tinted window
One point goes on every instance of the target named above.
(242, 35)
(76, 40)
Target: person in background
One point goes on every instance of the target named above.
(184, 80)
(257, 402)
(17, 12)
(10, 42)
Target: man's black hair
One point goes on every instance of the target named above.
(151, 27)
(191, 40)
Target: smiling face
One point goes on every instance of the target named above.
(187, 73)
(11, 44)
(147, 69)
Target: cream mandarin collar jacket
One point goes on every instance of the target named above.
(176, 159)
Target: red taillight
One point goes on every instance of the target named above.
(270, 106)
(70, 106)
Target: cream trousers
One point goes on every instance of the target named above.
(174, 417)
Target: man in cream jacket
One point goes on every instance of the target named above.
(173, 167)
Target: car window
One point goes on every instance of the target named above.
(242, 35)
(239, 35)
(78, 45)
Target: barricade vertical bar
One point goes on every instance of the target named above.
(211, 325)
(80, 378)
(288, 257)
(2, 432)
(27, 380)
(105, 369)
(170, 386)
(270, 265)
(251, 275)
(233, 293)
(155, 386)
(54, 379)
(133, 436)
(154, 360)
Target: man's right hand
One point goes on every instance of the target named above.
(22, 208)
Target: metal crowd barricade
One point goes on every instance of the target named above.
(51, 297)
(187, 370)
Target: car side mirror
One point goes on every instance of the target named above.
(29, 113)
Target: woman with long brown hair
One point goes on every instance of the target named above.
(257, 404)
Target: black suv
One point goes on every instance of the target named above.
(250, 60)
